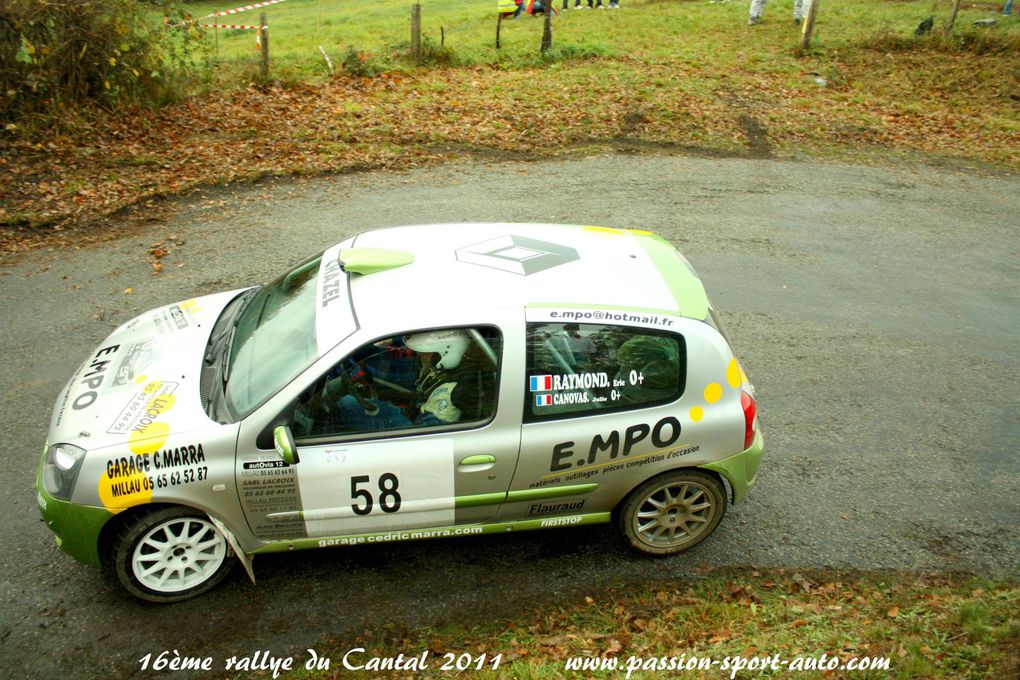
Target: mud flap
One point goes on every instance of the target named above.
(232, 541)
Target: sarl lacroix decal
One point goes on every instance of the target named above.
(140, 413)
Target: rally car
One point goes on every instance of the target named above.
(412, 382)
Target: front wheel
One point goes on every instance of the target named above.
(171, 555)
(672, 512)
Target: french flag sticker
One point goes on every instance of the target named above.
(543, 400)
(541, 383)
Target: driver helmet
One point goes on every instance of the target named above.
(450, 345)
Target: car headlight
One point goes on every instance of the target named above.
(60, 469)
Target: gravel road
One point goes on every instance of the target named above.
(876, 310)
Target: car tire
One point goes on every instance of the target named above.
(170, 555)
(672, 512)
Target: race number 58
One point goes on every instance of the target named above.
(389, 497)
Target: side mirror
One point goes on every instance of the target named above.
(285, 445)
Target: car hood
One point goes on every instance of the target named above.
(142, 382)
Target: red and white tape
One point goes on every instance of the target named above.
(258, 36)
(238, 26)
(238, 10)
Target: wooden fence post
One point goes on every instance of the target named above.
(809, 25)
(416, 33)
(952, 17)
(264, 34)
(547, 30)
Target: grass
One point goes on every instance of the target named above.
(928, 626)
(865, 68)
(678, 76)
(707, 37)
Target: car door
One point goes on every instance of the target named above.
(386, 481)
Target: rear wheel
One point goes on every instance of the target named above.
(171, 555)
(672, 512)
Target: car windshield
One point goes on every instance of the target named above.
(274, 339)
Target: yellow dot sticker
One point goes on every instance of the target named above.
(124, 491)
(605, 230)
(697, 413)
(713, 393)
(733, 373)
(149, 440)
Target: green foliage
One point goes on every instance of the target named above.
(361, 64)
(967, 41)
(564, 51)
(54, 55)
(436, 55)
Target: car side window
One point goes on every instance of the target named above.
(583, 369)
(411, 381)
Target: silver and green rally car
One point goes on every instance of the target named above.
(413, 382)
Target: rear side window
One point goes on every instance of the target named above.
(584, 369)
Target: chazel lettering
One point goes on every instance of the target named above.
(94, 378)
(664, 434)
(330, 283)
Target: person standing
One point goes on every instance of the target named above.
(800, 8)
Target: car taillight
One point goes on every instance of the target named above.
(750, 413)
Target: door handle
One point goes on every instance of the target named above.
(480, 459)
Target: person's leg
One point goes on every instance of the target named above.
(1008, 7)
(800, 8)
(756, 9)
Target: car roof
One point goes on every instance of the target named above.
(458, 267)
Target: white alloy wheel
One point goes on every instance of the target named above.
(171, 555)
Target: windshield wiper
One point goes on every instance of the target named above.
(214, 347)
(225, 355)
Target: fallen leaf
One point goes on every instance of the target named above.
(554, 640)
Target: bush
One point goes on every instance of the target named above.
(361, 64)
(433, 54)
(59, 53)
